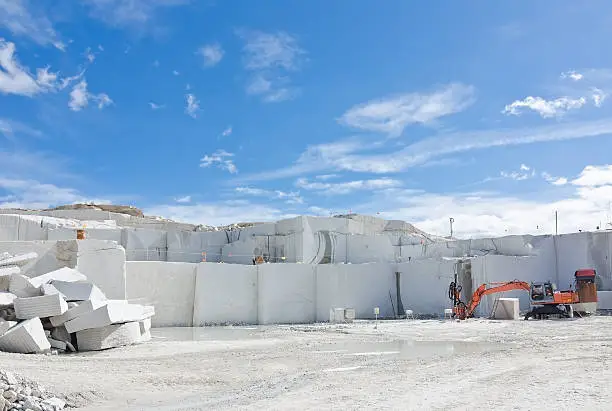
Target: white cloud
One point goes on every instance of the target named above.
(271, 57)
(15, 79)
(193, 105)
(573, 75)
(594, 176)
(393, 114)
(175, 72)
(25, 193)
(156, 106)
(211, 54)
(545, 108)
(89, 55)
(221, 159)
(10, 128)
(348, 186)
(220, 213)
(524, 173)
(80, 97)
(24, 20)
(129, 13)
(557, 181)
(227, 132)
(353, 155)
(598, 96)
(290, 197)
(183, 200)
(325, 177)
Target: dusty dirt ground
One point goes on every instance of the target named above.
(408, 365)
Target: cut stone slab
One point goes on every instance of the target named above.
(78, 290)
(110, 336)
(6, 325)
(44, 306)
(7, 299)
(26, 337)
(63, 274)
(114, 312)
(83, 308)
(145, 330)
(507, 309)
(19, 260)
(21, 286)
(5, 276)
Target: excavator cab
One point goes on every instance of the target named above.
(542, 292)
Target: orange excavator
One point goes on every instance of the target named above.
(544, 298)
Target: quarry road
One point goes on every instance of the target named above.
(408, 365)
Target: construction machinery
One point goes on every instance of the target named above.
(544, 298)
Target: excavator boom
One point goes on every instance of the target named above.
(492, 289)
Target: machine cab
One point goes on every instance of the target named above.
(541, 292)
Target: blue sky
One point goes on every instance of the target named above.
(493, 113)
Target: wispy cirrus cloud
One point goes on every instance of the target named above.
(10, 129)
(211, 54)
(133, 14)
(347, 187)
(354, 155)
(289, 197)
(23, 19)
(391, 115)
(271, 57)
(220, 158)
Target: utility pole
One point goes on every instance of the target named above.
(452, 220)
(556, 223)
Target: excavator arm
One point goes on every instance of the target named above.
(485, 289)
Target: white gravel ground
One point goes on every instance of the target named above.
(408, 365)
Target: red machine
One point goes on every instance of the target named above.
(545, 299)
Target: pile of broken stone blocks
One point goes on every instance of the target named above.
(63, 311)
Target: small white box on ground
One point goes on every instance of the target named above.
(145, 330)
(44, 306)
(114, 312)
(110, 336)
(26, 337)
(507, 309)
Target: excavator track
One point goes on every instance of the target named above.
(547, 310)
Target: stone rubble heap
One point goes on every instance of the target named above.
(17, 393)
(63, 312)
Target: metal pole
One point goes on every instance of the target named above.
(556, 223)
(452, 220)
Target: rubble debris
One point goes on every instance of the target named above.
(17, 393)
(64, 312)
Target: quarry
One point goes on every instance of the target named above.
(340, 312)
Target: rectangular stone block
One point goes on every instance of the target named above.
(145, 330)
(63, 274)
(110, 336)
(6, 325)
(112, 313)
(83, 308)
(26, 337)
(507, 309)
(44, 306)
(78, 290)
